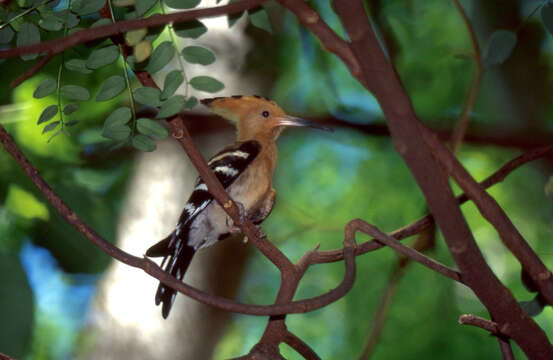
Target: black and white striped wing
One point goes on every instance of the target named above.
(227, 165)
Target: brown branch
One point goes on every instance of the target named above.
(495, 215)
(152, 269)
(407, 133)
(101, 32)
(464, 118)
(300, 346)
(312, 21)
(407, 251)
(5, 357)
(491, 326)
(32, 70)
(427, 220)
(505, 347)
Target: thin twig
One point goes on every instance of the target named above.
(300, 346)
(464, 118)
(505, 347)
(495, 215)
(32, 70)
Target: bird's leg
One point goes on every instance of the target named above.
(262, 214)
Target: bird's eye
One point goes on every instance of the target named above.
(265, 114)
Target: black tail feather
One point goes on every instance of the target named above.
(176, 263)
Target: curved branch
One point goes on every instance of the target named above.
(300, 346)
(424, 222)
(101, 32)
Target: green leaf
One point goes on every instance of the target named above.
(101, 22)
(45, 88)
(260, 19)
(119, 116)
(67, 17)
(72, 122)
(500, 47)
(110, 88)
(170, 106)
(182, 4)
(207, 84)
(50, 127)
(191, 29)
(114, 126)
(70, 108)
(75, 92)
(160, 57)
(152, 128)
(77, 65)
(47, 114)
(50, 23)
(102, 57)
(28, 35)
(147, 95)
(116, 132)
(6, 34)
(190, 103)
(143, 143)
(85, 7)
(172, 82)
(198, 55)
(142, 6)
(547, 16)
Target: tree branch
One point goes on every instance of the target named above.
(80, 37)
(495, 215)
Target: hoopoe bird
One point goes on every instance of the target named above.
(245, 169)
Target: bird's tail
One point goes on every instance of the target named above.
(177, 257)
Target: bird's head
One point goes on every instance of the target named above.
(255, 117)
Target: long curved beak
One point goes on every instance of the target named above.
(296, 121)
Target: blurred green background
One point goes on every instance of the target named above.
(49, 272)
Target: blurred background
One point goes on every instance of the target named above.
(62, 298)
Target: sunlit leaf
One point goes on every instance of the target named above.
(110, 88)
(24, 204)
(148, 96)
(500, 47)
(144, 143)
(77, 65)
(191, 29)
(207, 84)
(152, 128)
(50, 127)
(28, 35)
(142, 51)
(135, 36)
(85, 7)
(172, 82)
(171, 106)
(160, 57)
(102, 57)
(182, 4)
(47, 114)
(45, 88)
(198, 55)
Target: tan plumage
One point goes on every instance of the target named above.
(245, 169)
